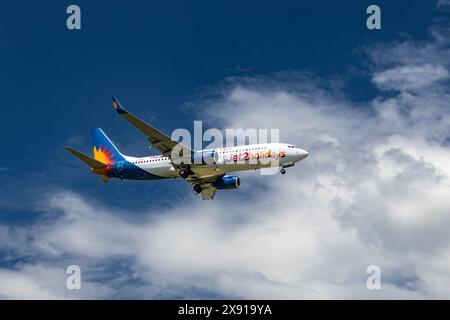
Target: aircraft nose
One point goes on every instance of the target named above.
(302, 154)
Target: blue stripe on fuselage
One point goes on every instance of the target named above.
(127, 170)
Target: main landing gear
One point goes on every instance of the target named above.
(283, 171)
(197, 188)
(184, 173)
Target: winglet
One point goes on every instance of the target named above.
(117, 106)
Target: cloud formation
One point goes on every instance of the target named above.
(411, 77)
(443, 3)
(374, 190)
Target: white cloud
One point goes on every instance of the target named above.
(16, 285)
(373, 191)
(34, 281)
(443, 3)
(410, 77)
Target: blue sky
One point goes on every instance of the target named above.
(157, 56)
(168, 62)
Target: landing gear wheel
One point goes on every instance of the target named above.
(283, 171)
(184, 173)
(197, 188)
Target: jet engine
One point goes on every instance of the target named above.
(228, 182)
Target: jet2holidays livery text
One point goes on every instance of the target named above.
(206, 170)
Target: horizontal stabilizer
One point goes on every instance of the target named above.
(91, 162)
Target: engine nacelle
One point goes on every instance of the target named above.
(228, 182)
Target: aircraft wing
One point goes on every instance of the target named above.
(208, 188)
(208, 193)
(159, 140)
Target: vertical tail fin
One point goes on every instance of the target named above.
(104, 150)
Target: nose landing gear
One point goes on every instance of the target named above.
(286, 165)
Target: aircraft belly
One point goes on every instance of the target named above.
(206, 170)
(162, 171)
(211, 170)
(241, 167)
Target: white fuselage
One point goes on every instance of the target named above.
(211, 162)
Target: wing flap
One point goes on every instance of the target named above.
(208, 189)
(208, 192)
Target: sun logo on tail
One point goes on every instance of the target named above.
(104, 155)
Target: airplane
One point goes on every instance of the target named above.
(206, 177)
